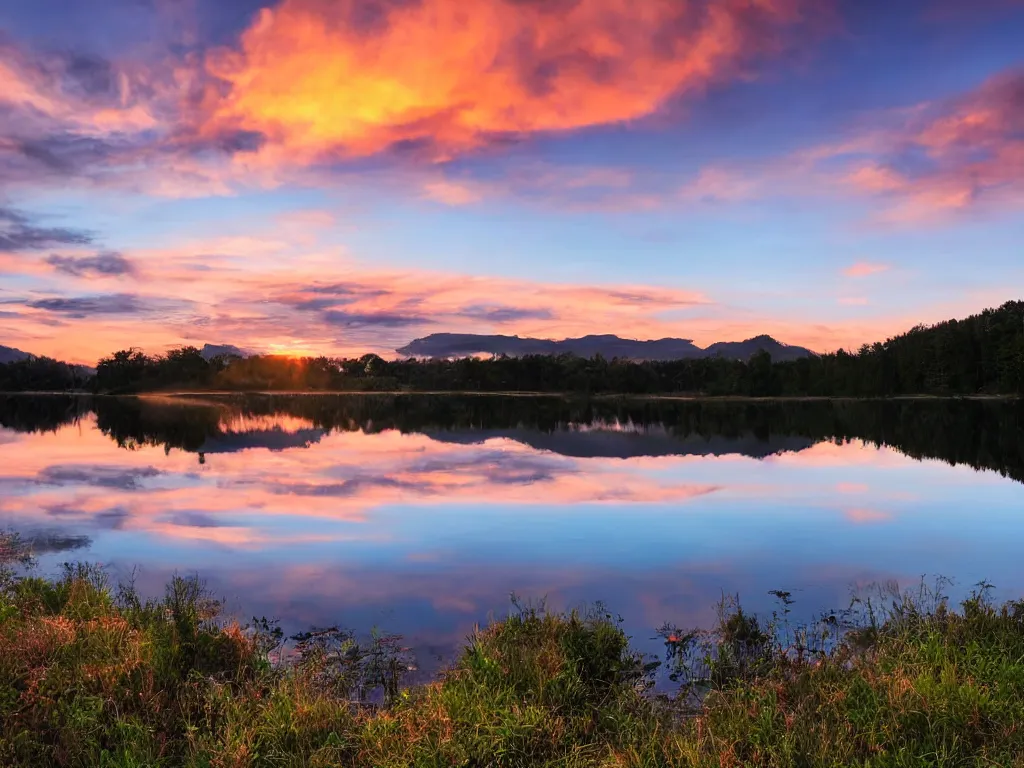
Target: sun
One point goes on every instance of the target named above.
(292, 349)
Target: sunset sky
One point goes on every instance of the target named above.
(342, 176)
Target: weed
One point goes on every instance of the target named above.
(95, 676)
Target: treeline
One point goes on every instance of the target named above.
(185, 368)
(983, 354)
(42, 374)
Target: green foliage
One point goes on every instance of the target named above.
(90, 676)
(41, 374)
(907, 681)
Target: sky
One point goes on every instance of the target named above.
(342, 176)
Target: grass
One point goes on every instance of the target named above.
(93, 676)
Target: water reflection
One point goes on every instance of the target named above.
(983, 434)
(421, 514)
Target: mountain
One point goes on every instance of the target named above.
(210, 351)
(465, 344)
(626, 444)
(743, 350)
(12, 355)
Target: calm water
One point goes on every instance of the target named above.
(421, 514)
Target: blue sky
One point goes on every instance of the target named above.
(830, 173)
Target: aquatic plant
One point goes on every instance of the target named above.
(94, 676)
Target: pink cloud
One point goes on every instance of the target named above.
(342, 480)
(714, 184)
(863, 516)
(325, 304)
(864, 269)
(922, 162)
(451, 193)
(852, 488)
(286, 285)
(972, 148)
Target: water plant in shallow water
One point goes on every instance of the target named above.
(95, 676)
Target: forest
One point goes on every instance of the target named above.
(982, 354)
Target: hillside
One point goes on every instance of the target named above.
(744, 350)
(12, 355)
(448, 345)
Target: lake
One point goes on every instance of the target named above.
(421, 514)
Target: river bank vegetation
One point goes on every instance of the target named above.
(94, 676)
(982, 354)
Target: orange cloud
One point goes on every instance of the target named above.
(452, 74)
(278, 298)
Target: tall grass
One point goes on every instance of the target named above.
(91, 675)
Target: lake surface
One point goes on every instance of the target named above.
(421, 514)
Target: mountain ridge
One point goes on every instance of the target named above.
(441, 345)
(210, 351)
(12, 355)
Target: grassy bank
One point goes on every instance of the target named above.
(91, 676)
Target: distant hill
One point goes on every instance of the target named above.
(743, 350)
(210, 351)
(439, 345)
(12, 355)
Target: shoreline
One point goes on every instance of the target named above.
(94, 676)
(515, 393)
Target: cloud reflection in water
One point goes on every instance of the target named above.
(320, 518)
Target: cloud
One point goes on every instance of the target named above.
(264, 292)
(863, 516)
(82, 306)
(311, 87)
(864, 269)
(106, 264)
(50, 542)
(451, 193)
(381, 319)
(391, 300)
(99, 475)
(852, 488)
(193, 520)
(127, 124)
(439, 77)
(719, 185)
(341, 291)
(929, 161)
(353, 487)
(19, 233)
(504, 314)
(945, 157)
